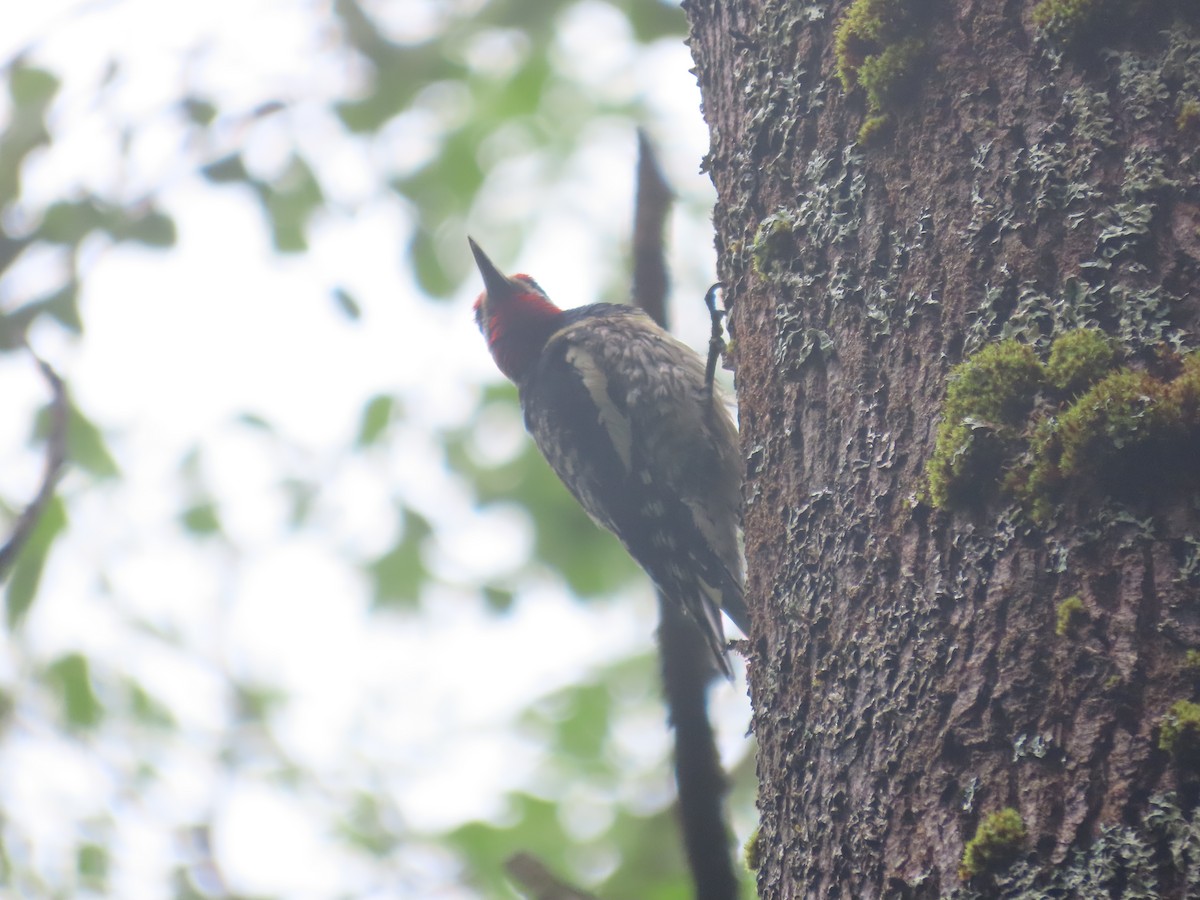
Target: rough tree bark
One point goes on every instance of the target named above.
(1031, 176)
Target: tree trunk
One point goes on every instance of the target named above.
(924, 658)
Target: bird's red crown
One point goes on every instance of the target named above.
(515, 316)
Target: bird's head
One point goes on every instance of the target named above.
(515, 316)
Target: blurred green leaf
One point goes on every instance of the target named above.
(226, 169)
(652, 866)
(69, 221)
(10, 248)
(201, 519)
(400, 71)
(654, 20)
(377, 415)
(29, 86)
(576, 724)
(253, 420)
(290, 202)
(146, 709)
(86, 446)
(365, 826)
(200, 112)
(347, 304)
(27, 571)
(522, 95)
(590, 560)
(302, 497)
(531, 824)
(91, 863)
(430, 274)
(183, 888)
(256, 703)
(400, 573)
(498, 600)
(70, 676)
(63, 306)
(31, 90)
(14, 325)
(580, 717)
(150, 227)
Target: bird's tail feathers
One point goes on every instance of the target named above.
(704, 605)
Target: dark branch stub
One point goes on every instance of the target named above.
(541, 884)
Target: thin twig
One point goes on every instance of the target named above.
(532, 874)
(56, 452)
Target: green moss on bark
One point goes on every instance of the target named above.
(1077, 22)
(1078, 358)
(997, 843)
(1110, 427)
(1179, 731)
(881, 49)
(1070, 613)
(989, 396)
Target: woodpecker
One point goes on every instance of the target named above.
(622, 413)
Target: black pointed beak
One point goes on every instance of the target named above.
(495, 281)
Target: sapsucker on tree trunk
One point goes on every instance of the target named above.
(621, 411)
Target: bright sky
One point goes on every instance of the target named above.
(177, 345)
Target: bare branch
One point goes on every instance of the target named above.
(650, 209)
(531, 873)
(687, 670)
(56, 452)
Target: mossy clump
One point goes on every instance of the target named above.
(772, 241)
(753, 851)
(1036, 483)
(1179, 731)
(1119, 412)
(1181, 397)
(1090, 439)
(867, 27)
(1084, 23)
(1078, 359)
(876, 129)
(1103, 430)
(1188, 117)
(1065, 20)
(881, 48)
(997, 843)
(1191, 660)
(995, 385)
(965, 461)
(888, 75)
(1070, 613)
(1127, 425)
(989, 396)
